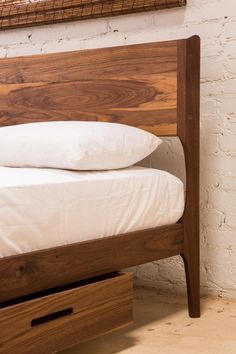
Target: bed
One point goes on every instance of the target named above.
(152, 86)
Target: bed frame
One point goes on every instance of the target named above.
(152, 86)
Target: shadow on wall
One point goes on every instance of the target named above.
(169, 157)
(167, 274)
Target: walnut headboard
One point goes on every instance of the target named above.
(137, 85)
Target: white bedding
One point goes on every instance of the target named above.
(43, 208)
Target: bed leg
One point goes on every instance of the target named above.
(191, 264)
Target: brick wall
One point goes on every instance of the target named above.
(215, 22)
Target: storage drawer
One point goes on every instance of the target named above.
(52, 322)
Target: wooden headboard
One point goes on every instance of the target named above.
(136, 85)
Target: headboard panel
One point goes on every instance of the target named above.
(135, 85)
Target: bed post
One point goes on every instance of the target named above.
(188, 132)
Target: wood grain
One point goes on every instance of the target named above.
(135, 85)
(36, 271)
(153, 86)
(188, 132)
(96, 309)
(41, 12)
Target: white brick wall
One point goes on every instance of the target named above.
(215, 22)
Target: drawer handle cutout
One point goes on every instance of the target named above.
(51, 317)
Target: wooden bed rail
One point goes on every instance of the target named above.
(33, 272)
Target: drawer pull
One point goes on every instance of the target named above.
(51, 317)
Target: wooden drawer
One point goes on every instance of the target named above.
(52, 322)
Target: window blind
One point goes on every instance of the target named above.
(20, 13)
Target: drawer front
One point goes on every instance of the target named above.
(57, 321)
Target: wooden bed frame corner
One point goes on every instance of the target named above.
(152, 86)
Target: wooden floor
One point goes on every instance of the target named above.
(162, 326)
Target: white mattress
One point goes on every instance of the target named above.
(43, 208)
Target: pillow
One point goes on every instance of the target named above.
(74, 145)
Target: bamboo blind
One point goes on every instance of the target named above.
(21, 13)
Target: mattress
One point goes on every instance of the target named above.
(43, 208)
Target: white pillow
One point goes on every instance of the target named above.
(74, 145)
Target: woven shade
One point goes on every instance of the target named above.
(21, 13)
